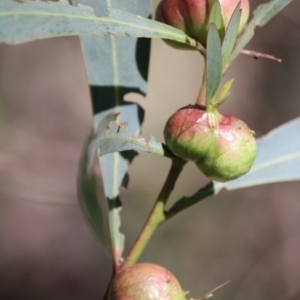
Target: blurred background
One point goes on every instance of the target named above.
(250, 236)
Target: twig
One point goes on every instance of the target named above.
(157, 215)
(201, 48)
(186, 202)
(257, 55)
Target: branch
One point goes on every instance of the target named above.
(257, 55)
(186, 202)
(157, 215)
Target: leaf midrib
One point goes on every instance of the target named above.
(276, 161)
(91, 18)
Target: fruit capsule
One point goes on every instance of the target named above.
(145, 281)
(222, 146)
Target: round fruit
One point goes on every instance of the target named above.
(222, 146)
(145, 282)
(191, 16)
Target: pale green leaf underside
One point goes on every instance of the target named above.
(90, 193)
(34, 20)
(263, 14)
(116, 138)
(278, 159)
(114, 69)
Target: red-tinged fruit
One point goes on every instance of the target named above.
(145, 282)
(222, 146)
(191, 16)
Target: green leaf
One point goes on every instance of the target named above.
(115, 68)
(262, 14)
(33, 20)
(213, 62)
(215, 17)
(231, 34)
(278, 159)
(224, 93)
(116, 138)
(90, 191)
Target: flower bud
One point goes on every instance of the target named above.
(145, 282)
(222, 146)
(191, 16)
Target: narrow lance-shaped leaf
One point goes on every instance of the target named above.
(115, 138)
(215, 17)
(224, 93)
(281, 163)
(90, 189)
(262, 14)
(34, 20)
(213, 62)
(231, 34)
(115, 68)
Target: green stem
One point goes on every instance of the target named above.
(186, 202)
(109, 284)
(201, 49)
(157, 215)
(201, 100)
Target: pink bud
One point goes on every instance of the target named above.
(192, 16)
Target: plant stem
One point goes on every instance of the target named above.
(157, 215)
(109, 284)
(201, 49)
(201, 100)
(186, 202)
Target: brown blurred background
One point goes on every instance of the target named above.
(47, 251)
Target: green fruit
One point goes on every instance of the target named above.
(222, 146)
(145, 282)
(191, 16)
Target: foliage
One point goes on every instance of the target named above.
(116, 139)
